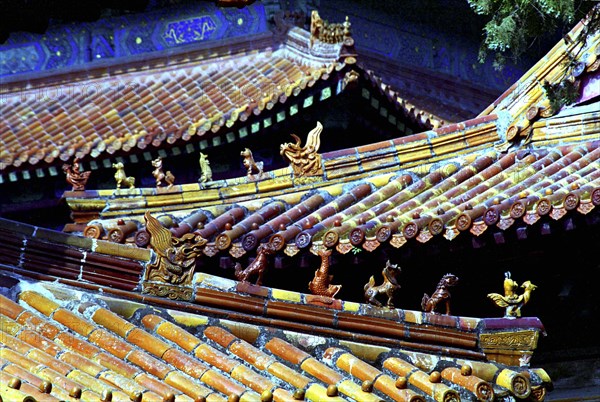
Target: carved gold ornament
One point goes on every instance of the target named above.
(321, 284)
(441, 295)
(388, 288)
(436, 226)
(205, 169)
(176, 257)
(75, 177)
(398, 240)
(169, 291)
(160, 175)
(254, 170)
(327, 32)
(371, 244)
(522, 340)
(305, 161)
(571, 201)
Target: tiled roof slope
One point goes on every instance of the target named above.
(46, 254)
(155, 107)
(518, 160)
(416, 187)
(78, 349)
(571, 58)
(111, 269)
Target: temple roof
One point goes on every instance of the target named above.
(153, 106)
(524, 161)
(145, 105)
(80, 348)
(378, 193)
(75, 326)
(120, 313)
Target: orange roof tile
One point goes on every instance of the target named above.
(171, 362)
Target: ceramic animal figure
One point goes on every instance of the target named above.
(389, 286)
(159, 175)
(257, 267)
(121, 177)
(305, 161)
(316, 26)
(441, 294)
(321, 283)
(511, 301)
(76, 178)
(205, 169)
(254, 169)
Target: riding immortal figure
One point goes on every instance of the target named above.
(511, 301)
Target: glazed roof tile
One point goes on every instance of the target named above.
(518, 160)
(467, 189)
(215, 295)
(155, 107)
(162, 356)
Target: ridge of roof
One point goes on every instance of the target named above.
(508, 183)
(419, 151)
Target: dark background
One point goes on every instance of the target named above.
(560, 257)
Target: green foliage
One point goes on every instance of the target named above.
(516, 24)
(560, 94)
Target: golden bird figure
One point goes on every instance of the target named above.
(511, 301)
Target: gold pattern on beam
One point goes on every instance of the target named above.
(169, 291)
(522, 340)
